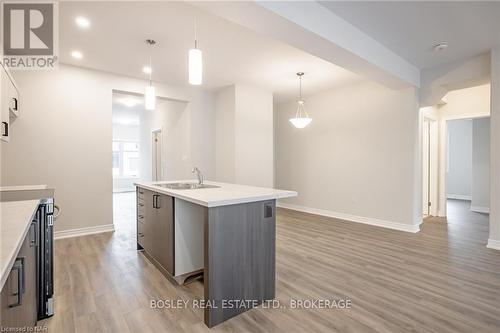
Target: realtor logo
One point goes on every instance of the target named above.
(29, 35)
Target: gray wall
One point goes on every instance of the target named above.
(459, 170)
(357, 158)
(481, 165)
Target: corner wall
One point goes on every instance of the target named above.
(244, 136)
(358, 160)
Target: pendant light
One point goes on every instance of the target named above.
(149, 92)
(195, 62)
(301, 119)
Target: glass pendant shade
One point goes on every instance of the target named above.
(149, 98)
(195, 67)
(300, 122)
(301, 119)
(149, 91)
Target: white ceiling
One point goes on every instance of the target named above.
(115, 42)
(412, 28)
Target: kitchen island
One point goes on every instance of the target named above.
(226, 232)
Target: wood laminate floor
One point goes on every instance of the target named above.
(442, 279)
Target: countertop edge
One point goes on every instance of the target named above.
(281, 194)
(5, 273)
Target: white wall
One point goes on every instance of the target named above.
(245, 136)
(254, 123)
(359, 158)
(63, 138)
(459, 169)
(224, 134)
(480, 165)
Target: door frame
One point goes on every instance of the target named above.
(433, 157)
(443, 154)
(157, 163)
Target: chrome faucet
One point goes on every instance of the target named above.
(199, 175)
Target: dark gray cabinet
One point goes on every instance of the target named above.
(19, 294)
(155, 227)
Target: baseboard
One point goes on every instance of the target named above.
(493, 244)
(353, 218)
(84, 231)
(479, 209)
(459, 197)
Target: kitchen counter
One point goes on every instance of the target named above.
(15, 221)
(225, 194)
(228, 233)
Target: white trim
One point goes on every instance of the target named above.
(84, 231)
(493, 244)
(459, 197)
(353, 218)
(479, 209)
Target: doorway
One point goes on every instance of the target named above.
(467, 164)
(143, 141)
(131, 157)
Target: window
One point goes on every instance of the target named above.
(125, 159)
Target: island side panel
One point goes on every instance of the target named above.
(240, 257)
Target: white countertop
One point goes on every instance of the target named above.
(15, 220)
(226, 194)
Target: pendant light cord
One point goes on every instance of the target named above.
(301, 110)
(300, 87)
(150, 71)
(195, 34)
(151, 43)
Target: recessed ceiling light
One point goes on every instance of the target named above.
(147, 69)
(82, 22)
(77, 54)
(441, 46)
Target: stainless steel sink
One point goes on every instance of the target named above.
(186, 186)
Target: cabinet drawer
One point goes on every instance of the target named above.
(140, 233)
(140, 205)
(140, 217)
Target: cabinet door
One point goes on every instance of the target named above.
(164, 232)
(4, 105)
(148, 222)
(31, 296)
(11, 314)
(18, 297)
